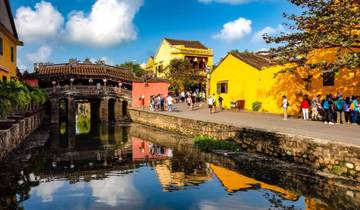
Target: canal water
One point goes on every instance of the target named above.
(113, 166)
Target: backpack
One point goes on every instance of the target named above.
(326, 104)
(339, 104)
(352, 106)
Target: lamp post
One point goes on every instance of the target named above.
(54, 86)
(104, 80)
(71, 82)
(120, 84)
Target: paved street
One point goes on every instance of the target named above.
(348, 134)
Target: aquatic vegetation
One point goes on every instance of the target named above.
(208, 144)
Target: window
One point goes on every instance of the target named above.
(222, 87)
(329, 78)
(1, 46)
(4, 78)
(12, 54)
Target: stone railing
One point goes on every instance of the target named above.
(88, 90)
(12, 137)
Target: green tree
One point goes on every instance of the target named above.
(323, 24)
(181, 74)
(133, 67)
(16, 97)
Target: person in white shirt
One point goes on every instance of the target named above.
(169, 103)
(210, 104)
(214, 102)
(182, 96)
(285, 105)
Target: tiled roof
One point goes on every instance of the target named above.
(84, 70)
(186, 43)
(252, 59)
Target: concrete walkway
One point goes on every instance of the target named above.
(346, 134)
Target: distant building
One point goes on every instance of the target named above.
(8, 41)
(194, 51)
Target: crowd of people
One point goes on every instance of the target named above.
(329, 109)
(160, 103)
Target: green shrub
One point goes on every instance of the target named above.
(256, 106)
(207, 144)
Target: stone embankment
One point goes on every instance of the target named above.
(318, 154)
(12, 137)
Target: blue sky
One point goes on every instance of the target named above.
(131, 30)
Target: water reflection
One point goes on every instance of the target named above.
(133, 167)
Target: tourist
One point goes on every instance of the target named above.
(305, 107)
(189, 103)
(327, 106)
(319, 107)
(152, 103)
(142, 101)
(157, 102)
(203, 96)
(210, 105)
(354, 107)
(339, 108)
(220, 99)
(347, 110)
(285, 105)
(193, 97)
(169, 103)
(214, 102)
(162, 103)
(314, 108)
(182, 96)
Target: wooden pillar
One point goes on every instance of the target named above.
(55, 111)
(119, 115)
(104, 110)
(71, 124)
(104, 135)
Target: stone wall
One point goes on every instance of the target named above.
(12, 137)
(317, 154)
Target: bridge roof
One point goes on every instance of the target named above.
(84, 71)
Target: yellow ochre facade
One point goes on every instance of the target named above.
(8, 42)
(194, 51)
(253, 78)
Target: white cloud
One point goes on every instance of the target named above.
(224, 1)
(258, 36)
(110, 22)
(46, 190)
(42, 54)
(115, 191)
(234, 30)
(42, 23)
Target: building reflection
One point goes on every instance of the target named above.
(233, 181)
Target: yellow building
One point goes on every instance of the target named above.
(194, 51)
(8, 42)
(253, 78)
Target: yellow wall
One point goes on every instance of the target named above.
(5, 59)
(242, 78)
(250, 84)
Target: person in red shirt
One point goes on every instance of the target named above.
(305, 107)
